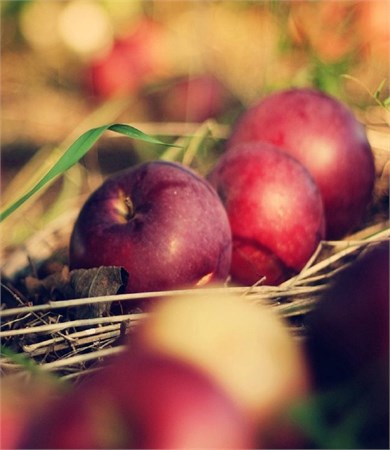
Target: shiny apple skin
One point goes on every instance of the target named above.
(324, 135)
(275, 212)
(177, 234)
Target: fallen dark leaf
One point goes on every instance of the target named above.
(96, 282)
(99, 281)
(78, 283)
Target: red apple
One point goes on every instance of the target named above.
(161, 222)
(132, 61)
(325, 137)
(274, 208)
(143, 401)
(192, 99)
(245, 347)
(20, 401)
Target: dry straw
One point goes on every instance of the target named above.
(68, 348)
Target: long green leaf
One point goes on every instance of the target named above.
(74, 153)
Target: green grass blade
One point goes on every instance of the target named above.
(21, 360)
(74, 153)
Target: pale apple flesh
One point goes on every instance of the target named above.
(160, 221)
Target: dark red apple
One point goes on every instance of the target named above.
(143, 401)
(193, 99)
(160, 221)
(348, 330)
(347, 347)
(274, 208)
(323, 134)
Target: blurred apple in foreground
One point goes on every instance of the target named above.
(143, 401)
(160, 221)
(274, 208)
(20, 401)
(348, 345)
(348, 330)
(325, 137)
(192, 99)
(245, 347)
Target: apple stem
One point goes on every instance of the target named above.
(130, 208)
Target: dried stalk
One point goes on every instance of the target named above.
(70, 324)
(59, 343)
(77, 359)
(123, 297)
(76, 337)
(351, 247)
